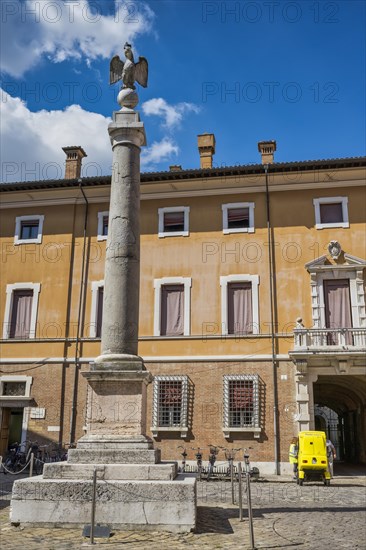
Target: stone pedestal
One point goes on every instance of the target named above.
(134, 489)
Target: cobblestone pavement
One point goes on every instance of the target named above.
(312, 517)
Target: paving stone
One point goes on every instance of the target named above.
(285, 517)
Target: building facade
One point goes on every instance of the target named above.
(252, 304)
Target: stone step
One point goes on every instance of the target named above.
(63, 470)
(111, 456)
(91, 441)
(150, 505)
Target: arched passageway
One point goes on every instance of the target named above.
(340, 410)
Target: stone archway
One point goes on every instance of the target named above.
(346, 396)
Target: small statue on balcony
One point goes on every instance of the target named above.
(299, 323)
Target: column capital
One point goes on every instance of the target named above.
(126, 128)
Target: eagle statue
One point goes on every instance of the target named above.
(129, 71)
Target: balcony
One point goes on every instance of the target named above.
(330, 340)
(330, 350)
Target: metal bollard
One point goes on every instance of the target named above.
(250, 512)
(31, 462)
(232, 481)
(240, 493)
(94, 495)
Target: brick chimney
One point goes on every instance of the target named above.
(206, 148)
(74, 158)
(175, 167)
(267, 149)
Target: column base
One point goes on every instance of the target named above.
(114, 361)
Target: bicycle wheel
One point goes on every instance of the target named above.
(9, 465)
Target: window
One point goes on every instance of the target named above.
(172, 306)
(331, 212)
(28, 229)
(239, 304)
(174, 221)
(21, 311)
(103, 226)
(13, 388)
(241, 403)
(170, 404)
(96, 316)
(238, 217)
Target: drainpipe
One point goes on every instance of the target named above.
(79, 327)
(273, 341)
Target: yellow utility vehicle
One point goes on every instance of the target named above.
(312, 461)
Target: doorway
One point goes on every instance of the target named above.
(11, 427)
(339, 410)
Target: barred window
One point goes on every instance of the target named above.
(14, 388)
(170, 402)
(241, 401)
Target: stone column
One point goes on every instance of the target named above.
(122, 264)
(117, 379)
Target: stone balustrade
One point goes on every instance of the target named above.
(320, 339)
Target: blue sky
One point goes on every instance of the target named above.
(246, 71)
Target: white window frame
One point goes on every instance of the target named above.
(167, 210)
(225, 217)
(101, 215)
(36, 287)
(224, 281)
(16, 399)
(158, 283)
(18, 228)
(255, 427)
(95, 286)
(183, 428)
(330, 200)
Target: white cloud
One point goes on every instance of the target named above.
(159, 151)
(31, 145)
(66, 29)
(172, 114)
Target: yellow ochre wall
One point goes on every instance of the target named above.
(204, 256)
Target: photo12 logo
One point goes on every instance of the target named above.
(269, 12)
(89, 11)
(270, 92)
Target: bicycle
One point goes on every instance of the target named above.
(184, 455)
(18, 460)
(199, 462)
(214, 451)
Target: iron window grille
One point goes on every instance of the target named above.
(241, 401)
(170, 403)
(14, 389)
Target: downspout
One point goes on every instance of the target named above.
(79, 328)
(273, 341)
(67, 329)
